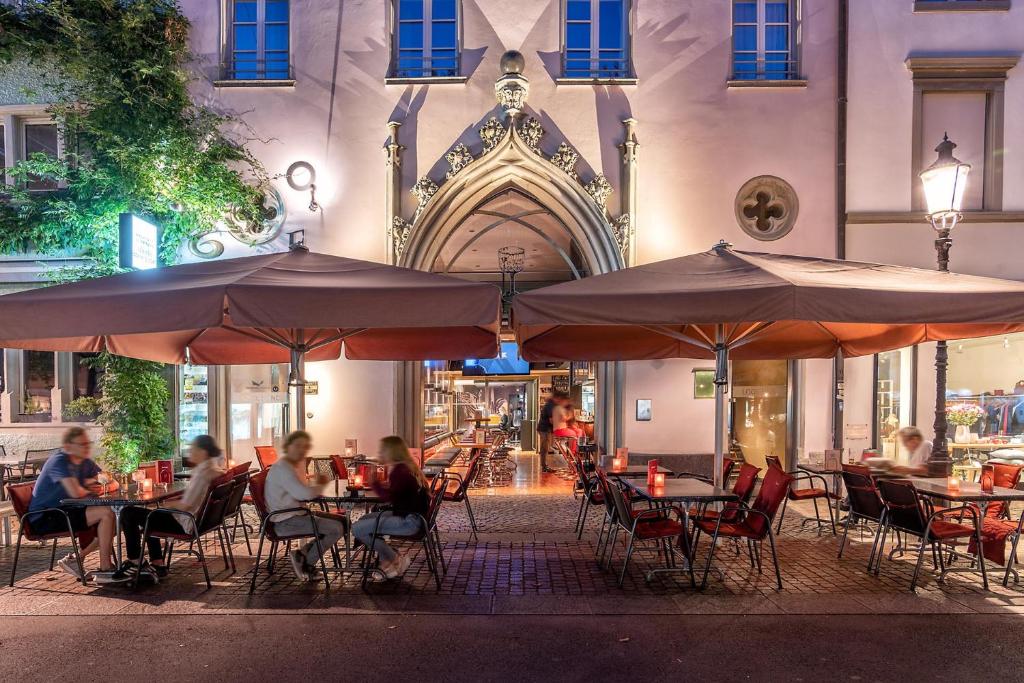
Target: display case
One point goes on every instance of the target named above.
(193, 403)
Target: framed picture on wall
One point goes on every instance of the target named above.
(703, 383)
(643, 410)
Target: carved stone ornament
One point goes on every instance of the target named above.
(424, 189)
(459, 158)
(491, 133)
(251, 234)
(511, 95)
(565, 158)
(622, 231)
(531, 132)
(399, 232)
(766, 207)
(599, 188)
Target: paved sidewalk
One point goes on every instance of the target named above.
(527, 561)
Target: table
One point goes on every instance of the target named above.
(441, 461)
(636, 471)
(125, 496)
(685, 491)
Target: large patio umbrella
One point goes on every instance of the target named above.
(284, 307)
(725, 303)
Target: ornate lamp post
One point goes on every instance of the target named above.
(944, 183)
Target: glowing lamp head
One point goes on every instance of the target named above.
(944, 182)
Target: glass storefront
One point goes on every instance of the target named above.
(193, 403)
(257, 407)
(760, 397)
(894, 392)
(989, 373)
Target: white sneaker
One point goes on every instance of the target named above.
(398, 568)
(299, 565)
(69, 565)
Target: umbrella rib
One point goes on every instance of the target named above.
(678, 336)
(750, 334)
(260, 335)
(338, 337)
(698, 330)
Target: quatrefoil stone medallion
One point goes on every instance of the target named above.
(766, 207)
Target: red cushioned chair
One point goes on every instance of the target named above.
(866, 505)
(590, 490)
(20, 496)
(728, 465)
(908, 512)
(746, 482)
(753, 523)
(610, 516)
(813, 493)
(210, 519)
(257, 488)
(656, 524)
(266, 456)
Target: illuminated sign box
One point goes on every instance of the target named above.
(138, 243)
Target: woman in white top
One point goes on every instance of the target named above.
(204, 459)
(288, 487)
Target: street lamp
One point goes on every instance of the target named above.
(944, 184)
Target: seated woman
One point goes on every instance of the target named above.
(204, 459)
(287, 488)
(409, 501)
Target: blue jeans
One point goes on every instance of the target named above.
(390, 524)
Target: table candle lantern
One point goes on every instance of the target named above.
(138, 476)
(357, 480)
(988, 478)
(659, 479)
(617, 463)
(146, 485)
(954, 483)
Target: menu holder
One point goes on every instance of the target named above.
(988, 478)
(652, 472)
(833, 459)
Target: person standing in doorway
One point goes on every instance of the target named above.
(545, 428)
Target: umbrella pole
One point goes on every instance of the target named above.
(297, 379)
(721, 382)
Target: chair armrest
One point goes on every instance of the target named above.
(808, 476)
(959, 508)
(654, 513)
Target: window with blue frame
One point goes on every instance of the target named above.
(426, 39)
(764, 40)
(596, 40)
(259, 43)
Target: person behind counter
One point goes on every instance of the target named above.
(918, 450)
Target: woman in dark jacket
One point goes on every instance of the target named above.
(409, 500)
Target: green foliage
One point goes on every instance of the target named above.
(134, 139)
(133, 412)
(83, 409)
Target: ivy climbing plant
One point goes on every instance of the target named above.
(116, 75)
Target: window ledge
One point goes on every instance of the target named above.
(925, 6)
(781, 83)
(424, 80)
(919, 217)
(255, 83)
(596, 81)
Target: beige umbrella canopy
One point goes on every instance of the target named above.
(724, 303)
(282, 307)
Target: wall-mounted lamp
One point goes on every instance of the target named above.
(296, 238)
(301, 176)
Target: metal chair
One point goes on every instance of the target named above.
(754, 525)
(866, 505)
(590, 489)
(210, 519)
(813, 494)
(610, 517)
(257, 487)
(21, 498)
(460, 493)
(31, 463)
(234, 509)
(655, 524)
(427, 534)
(908, 512)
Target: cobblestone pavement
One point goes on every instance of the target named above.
(528, 561)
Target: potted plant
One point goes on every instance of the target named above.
(963, 415)
(32, 410)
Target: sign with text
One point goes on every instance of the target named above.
(138, 243)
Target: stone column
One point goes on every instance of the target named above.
(393, 190)
(629, 201)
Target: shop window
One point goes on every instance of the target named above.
(764, 40)
(895, 373)
(426, 39)
(596, 39)
(85, 379)
(258, 37)
(41, 138)
(989, 373)
(38, 378)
